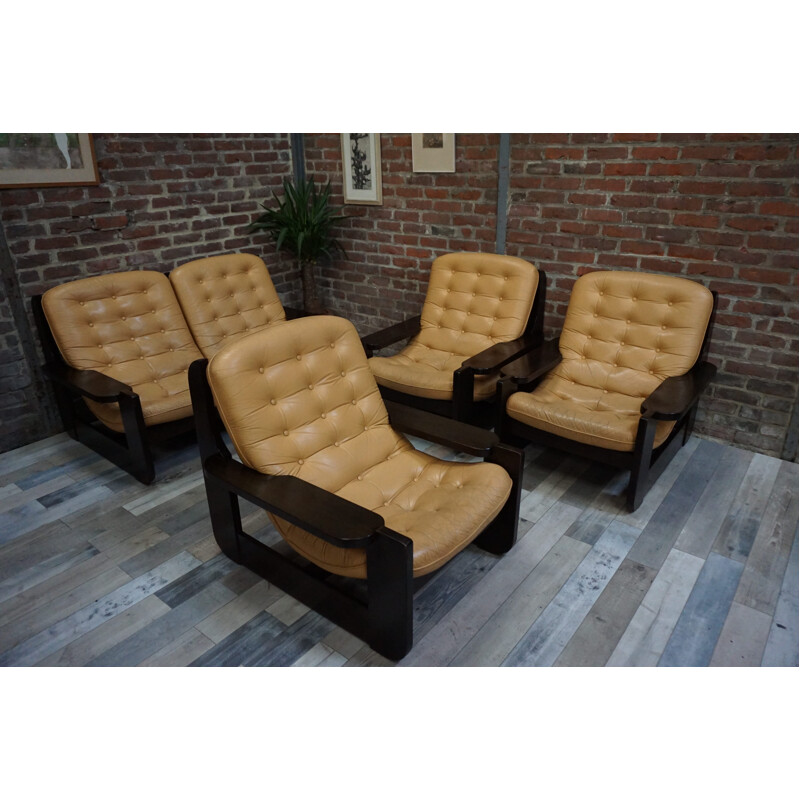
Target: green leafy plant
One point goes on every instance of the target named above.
(303, 223)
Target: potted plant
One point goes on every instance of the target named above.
(303, 223)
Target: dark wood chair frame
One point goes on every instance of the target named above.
(490, 361)
(385, 619)
(132, 450)
(674, 399)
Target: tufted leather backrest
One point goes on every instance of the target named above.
(127, 325)
(475, 300)
(225, 297)
(299, 399)
(625, 332)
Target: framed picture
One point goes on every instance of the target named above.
(47, 159)
(361, 160)
(433, 152)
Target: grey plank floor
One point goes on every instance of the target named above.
(98, 570)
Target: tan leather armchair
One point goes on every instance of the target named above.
(622, 383)
(322, 454)
(118, 350)
(226, 297)
(481, 311)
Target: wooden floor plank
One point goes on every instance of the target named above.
(92, 644)
(554, 627)
(549, 490)
(163, 493)
(741, 525)
(660, 489)
(647, 634)
(36, 547)
(92, 616)
(666, 523)
(54, 590)
(498, 636)
(168, 627)
(25, 579)
(596, 637)
(766, 562)
(698, 628)
(742, 639)
(74, 567)
(21, 497)
(180, 652)
(781, 649)
(25, 518)
(705, 521)
(254, 638)
(464, 620)
(238, 611)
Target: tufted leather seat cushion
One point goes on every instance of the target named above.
(624, 333)
(128, 326)
(226, 297)
(299, 399)
(474, 300)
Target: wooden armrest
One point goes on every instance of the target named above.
(89, 383)
(500, 354)
(441, 430)
(676, 395)
(295, 313)
(394, 333)
(534, 363)
(315, 510)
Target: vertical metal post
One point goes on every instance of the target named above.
(298, 157)
(503, 161)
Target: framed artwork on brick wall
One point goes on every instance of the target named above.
(433, 152)
(361, 168)
(47, 159)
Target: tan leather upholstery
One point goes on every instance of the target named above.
(623, 334)
(128, 326)
(226, 297)
(474, 300)
(299, 399)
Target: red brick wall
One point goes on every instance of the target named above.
(390, 247)
(718, 208)
(162, 200)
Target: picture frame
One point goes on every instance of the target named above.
(361, 169)
(47, 159)
(433, 152)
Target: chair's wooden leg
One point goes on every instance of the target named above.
(642, 455)
(501, 534)
(504, 389)
(688, 425)
(226, 518)
(463, 394)
(390, 607)
(141, 463)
